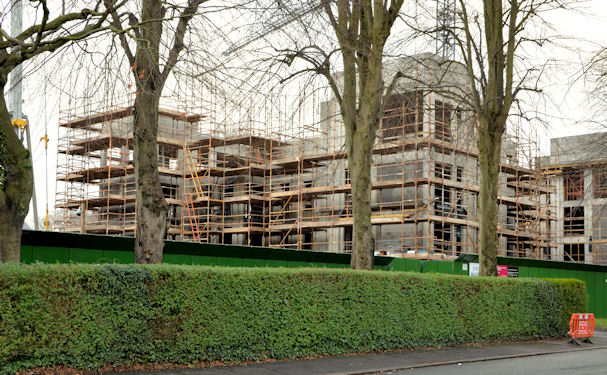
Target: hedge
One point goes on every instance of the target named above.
(87, 316)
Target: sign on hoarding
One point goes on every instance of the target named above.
(474, 267)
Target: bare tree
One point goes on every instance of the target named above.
(142, 42)
(489, 45)
(47, 35)
(361, 28)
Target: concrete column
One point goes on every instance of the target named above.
(588, 199)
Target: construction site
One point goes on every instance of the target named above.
(273, 177)
(578, 167)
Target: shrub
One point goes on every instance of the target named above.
(85, 316)
(573, 298)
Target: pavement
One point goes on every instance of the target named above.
(585, 362)
(398, 362)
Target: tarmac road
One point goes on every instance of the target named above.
(586, 362)
(538, 357)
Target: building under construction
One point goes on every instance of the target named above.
(578, 166)
(275, 181)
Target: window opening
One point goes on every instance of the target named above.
(573, 221)
(443, 113)
(574, 252)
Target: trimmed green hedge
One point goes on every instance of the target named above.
(85, 316)
(574, 298)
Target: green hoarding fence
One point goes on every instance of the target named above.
(57, 247)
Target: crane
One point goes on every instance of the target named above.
(281, 19)
(445, 23)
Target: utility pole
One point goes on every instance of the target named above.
(16, 97)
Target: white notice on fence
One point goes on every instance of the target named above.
(474, 267)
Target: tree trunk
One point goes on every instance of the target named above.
(489, 144)
(11, 224)
(151, 205)
(16, 184)
(359, 163)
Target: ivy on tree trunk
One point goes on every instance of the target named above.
(16, 185)
(16, 174)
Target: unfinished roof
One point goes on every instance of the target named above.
(86, 121)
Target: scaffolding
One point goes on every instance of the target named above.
(578, 170)
(276, 174)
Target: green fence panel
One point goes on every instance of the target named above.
(315, 265)
(593, 292)
(603, 296)
(177, 259)
(589, 288)
(336, 265)
(579, 275)
(295, 264)
(277, 263)
(413, 265)
(523, 271)
(80, 255)
(563, 274)
(430, 266)
(543, 272)
(446, 267)
(459, 268)
(598, 294)
(569, 274)
(27, 254)
(540, 272)
(552, 273)
(588, 277)
(200, 260)
(115, 256)
(601, 293)
(398, 264)
(247, 262)
(229, 262)
(51, 254)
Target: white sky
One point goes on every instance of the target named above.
(587, 30)
(566, 112)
